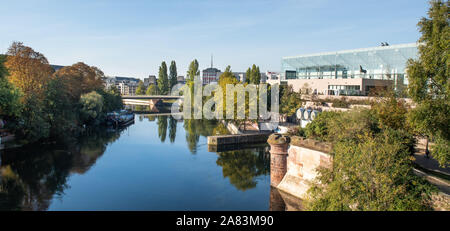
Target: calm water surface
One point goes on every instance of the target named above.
(157, 163)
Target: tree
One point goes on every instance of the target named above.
(290, 101)
(10, 105)
(257, 77)
(173, 74)
(111, 99)
(319, 128)
(193, 70)
(428, 81)
(91, 107)
(390, 111)
(80, 79)
(226, 78)
(152, 90)
(248, 75)
(140, 88)
(253, 75)
(28, 70)
(61, 113)
(372, 173)
(163, 81)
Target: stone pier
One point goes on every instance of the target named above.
(278, 157)
(294, 163)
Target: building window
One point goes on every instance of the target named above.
(291, 75)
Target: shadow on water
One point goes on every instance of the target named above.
(31, 177)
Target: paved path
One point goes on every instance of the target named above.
(429, 163)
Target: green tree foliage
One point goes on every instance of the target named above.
(152, 90)
(373, 173)
(329, 126)
(390, 111)
(61, 112)
(30, 72)
(9, 95)
(225, 79)
(140, 88)
(290, 101)
(372, 161)
(319, 128)
(112, 100)
(163, 81)
(48, 103)
(80, 78)
(173, 74)
(428, 80)
(91, 107)
(33, 123)
(248, 75)
(253, 75)
(193, 71)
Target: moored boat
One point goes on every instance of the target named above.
(120, 118)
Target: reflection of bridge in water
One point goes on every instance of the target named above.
(144, 97)
(146, 113)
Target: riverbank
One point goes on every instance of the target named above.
(295, 162)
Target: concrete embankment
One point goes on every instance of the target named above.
(238, 139)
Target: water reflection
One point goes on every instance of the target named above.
(243, 166)
(162, 128)
(32, 178)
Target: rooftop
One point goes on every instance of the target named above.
(378, 48)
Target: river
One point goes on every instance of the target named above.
(158, 163)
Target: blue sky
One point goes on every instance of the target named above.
(131, 38)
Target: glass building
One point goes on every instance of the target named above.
(387, 62)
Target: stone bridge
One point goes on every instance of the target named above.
(148, 100)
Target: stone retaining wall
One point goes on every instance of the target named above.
(301, 160)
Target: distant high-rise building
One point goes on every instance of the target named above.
(150, 80)
(125, 85)
(210, 75)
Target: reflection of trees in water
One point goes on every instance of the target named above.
(243, 166)
(150, 118)
(172, 129)
(162, 128)
(30, 177)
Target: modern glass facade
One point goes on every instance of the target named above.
(381, 63)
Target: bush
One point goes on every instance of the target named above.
(340, 103)
(320, 126)
(373, 173)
